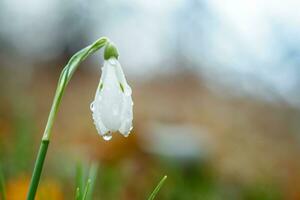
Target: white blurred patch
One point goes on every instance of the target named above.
(252, 48)
(177, 141)
(31, 27)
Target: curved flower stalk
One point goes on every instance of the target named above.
(65, 77)
(112, 107)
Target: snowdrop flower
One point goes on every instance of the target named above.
(112, 107)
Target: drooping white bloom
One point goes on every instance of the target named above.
(112, 107)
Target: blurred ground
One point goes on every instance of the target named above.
(245, 148)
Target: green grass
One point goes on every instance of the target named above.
(157, 188)
(84, 191)
(2, 186)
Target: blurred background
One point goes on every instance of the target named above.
(215, 86)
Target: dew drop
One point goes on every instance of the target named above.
(92, 107)
(107, 136)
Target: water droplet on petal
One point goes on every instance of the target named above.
(92, 107)
(107, 136)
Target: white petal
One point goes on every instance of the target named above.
(110, 106)
(126, 116)
(102, 130)
(119, 71)
(122, 79)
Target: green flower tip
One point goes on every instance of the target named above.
(110, 51)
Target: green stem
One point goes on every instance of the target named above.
(64, 79)
(38, 169)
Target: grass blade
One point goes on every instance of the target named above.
(84, 191)
(92, 177)
(77, 196)
(157, 188)
(79, 181)
(87, 187)
(2, 187)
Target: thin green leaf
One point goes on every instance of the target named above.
(84, 191)
(92, 176)
(79, 181)
(77, 196)
(156, 190)
(2, 187)
(87, 187)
